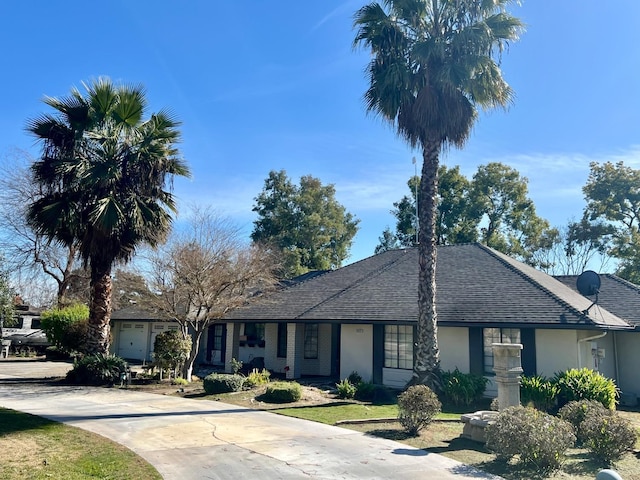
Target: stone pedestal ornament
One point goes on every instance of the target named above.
(508, 367)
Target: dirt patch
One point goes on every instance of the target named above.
(312, 395)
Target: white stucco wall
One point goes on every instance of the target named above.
(454, 348)
(556, 350)
(356, 351)
(628, 346)
(271, 360)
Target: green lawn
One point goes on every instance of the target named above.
(35, 448)
(333, 413)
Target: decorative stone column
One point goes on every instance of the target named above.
(508, 367)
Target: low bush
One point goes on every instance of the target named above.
(537, 438)
(586, 384)
(257, 377)
(283, 392)
(417, 406)
(576, 412)
(98, 369)
(179, 381)
(538, 392)
(222, 383)
(462, 389)
(346, 389)
(608, 436)
(354, 378)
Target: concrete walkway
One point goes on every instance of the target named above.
(201, 439)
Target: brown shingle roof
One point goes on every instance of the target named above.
(476, 286)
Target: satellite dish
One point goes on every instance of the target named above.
(588, 283)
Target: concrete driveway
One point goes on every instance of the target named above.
(201, 439)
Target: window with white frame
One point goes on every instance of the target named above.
(398, 346)
(496, 335)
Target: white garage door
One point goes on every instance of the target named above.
(133, 341)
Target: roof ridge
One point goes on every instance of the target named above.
(498, 255)
(369, 275)
(622, 281)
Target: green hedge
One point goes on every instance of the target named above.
(282, 392)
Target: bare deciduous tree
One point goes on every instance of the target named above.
(34, 262)
(203, 272)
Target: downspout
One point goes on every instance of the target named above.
(587, 339)
(615, 357)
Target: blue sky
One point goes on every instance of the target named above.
(262, 85)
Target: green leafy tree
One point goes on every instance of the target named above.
(457, 221)
(305, 224)
(432, 65)
(388, 241)
(66, 328)
(104, 172)
(171, 350)
(500, 197)
(454, 222)
(612, 193)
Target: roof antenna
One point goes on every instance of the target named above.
(588, 284)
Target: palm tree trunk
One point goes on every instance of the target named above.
(427, 355)
(98, 335)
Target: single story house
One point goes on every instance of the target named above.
(134, 331)
(362, 317)
(622, 298)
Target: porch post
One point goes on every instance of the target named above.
(508, 367)
(233, 345)
(295, 350)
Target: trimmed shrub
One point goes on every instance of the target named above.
(416, 408)
(257, 377)
(608, 436)
(586, 384)
(537, 438)
(222, 383)
(538, 392)
(462, 389)
(283, 392)
(576, 412)
(346, 389)
(171, 349)
(97, 369)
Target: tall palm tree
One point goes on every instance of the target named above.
(432, 66)
(104, 173)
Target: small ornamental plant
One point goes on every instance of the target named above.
(346, 389)
(586, 384)
(417, 406)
